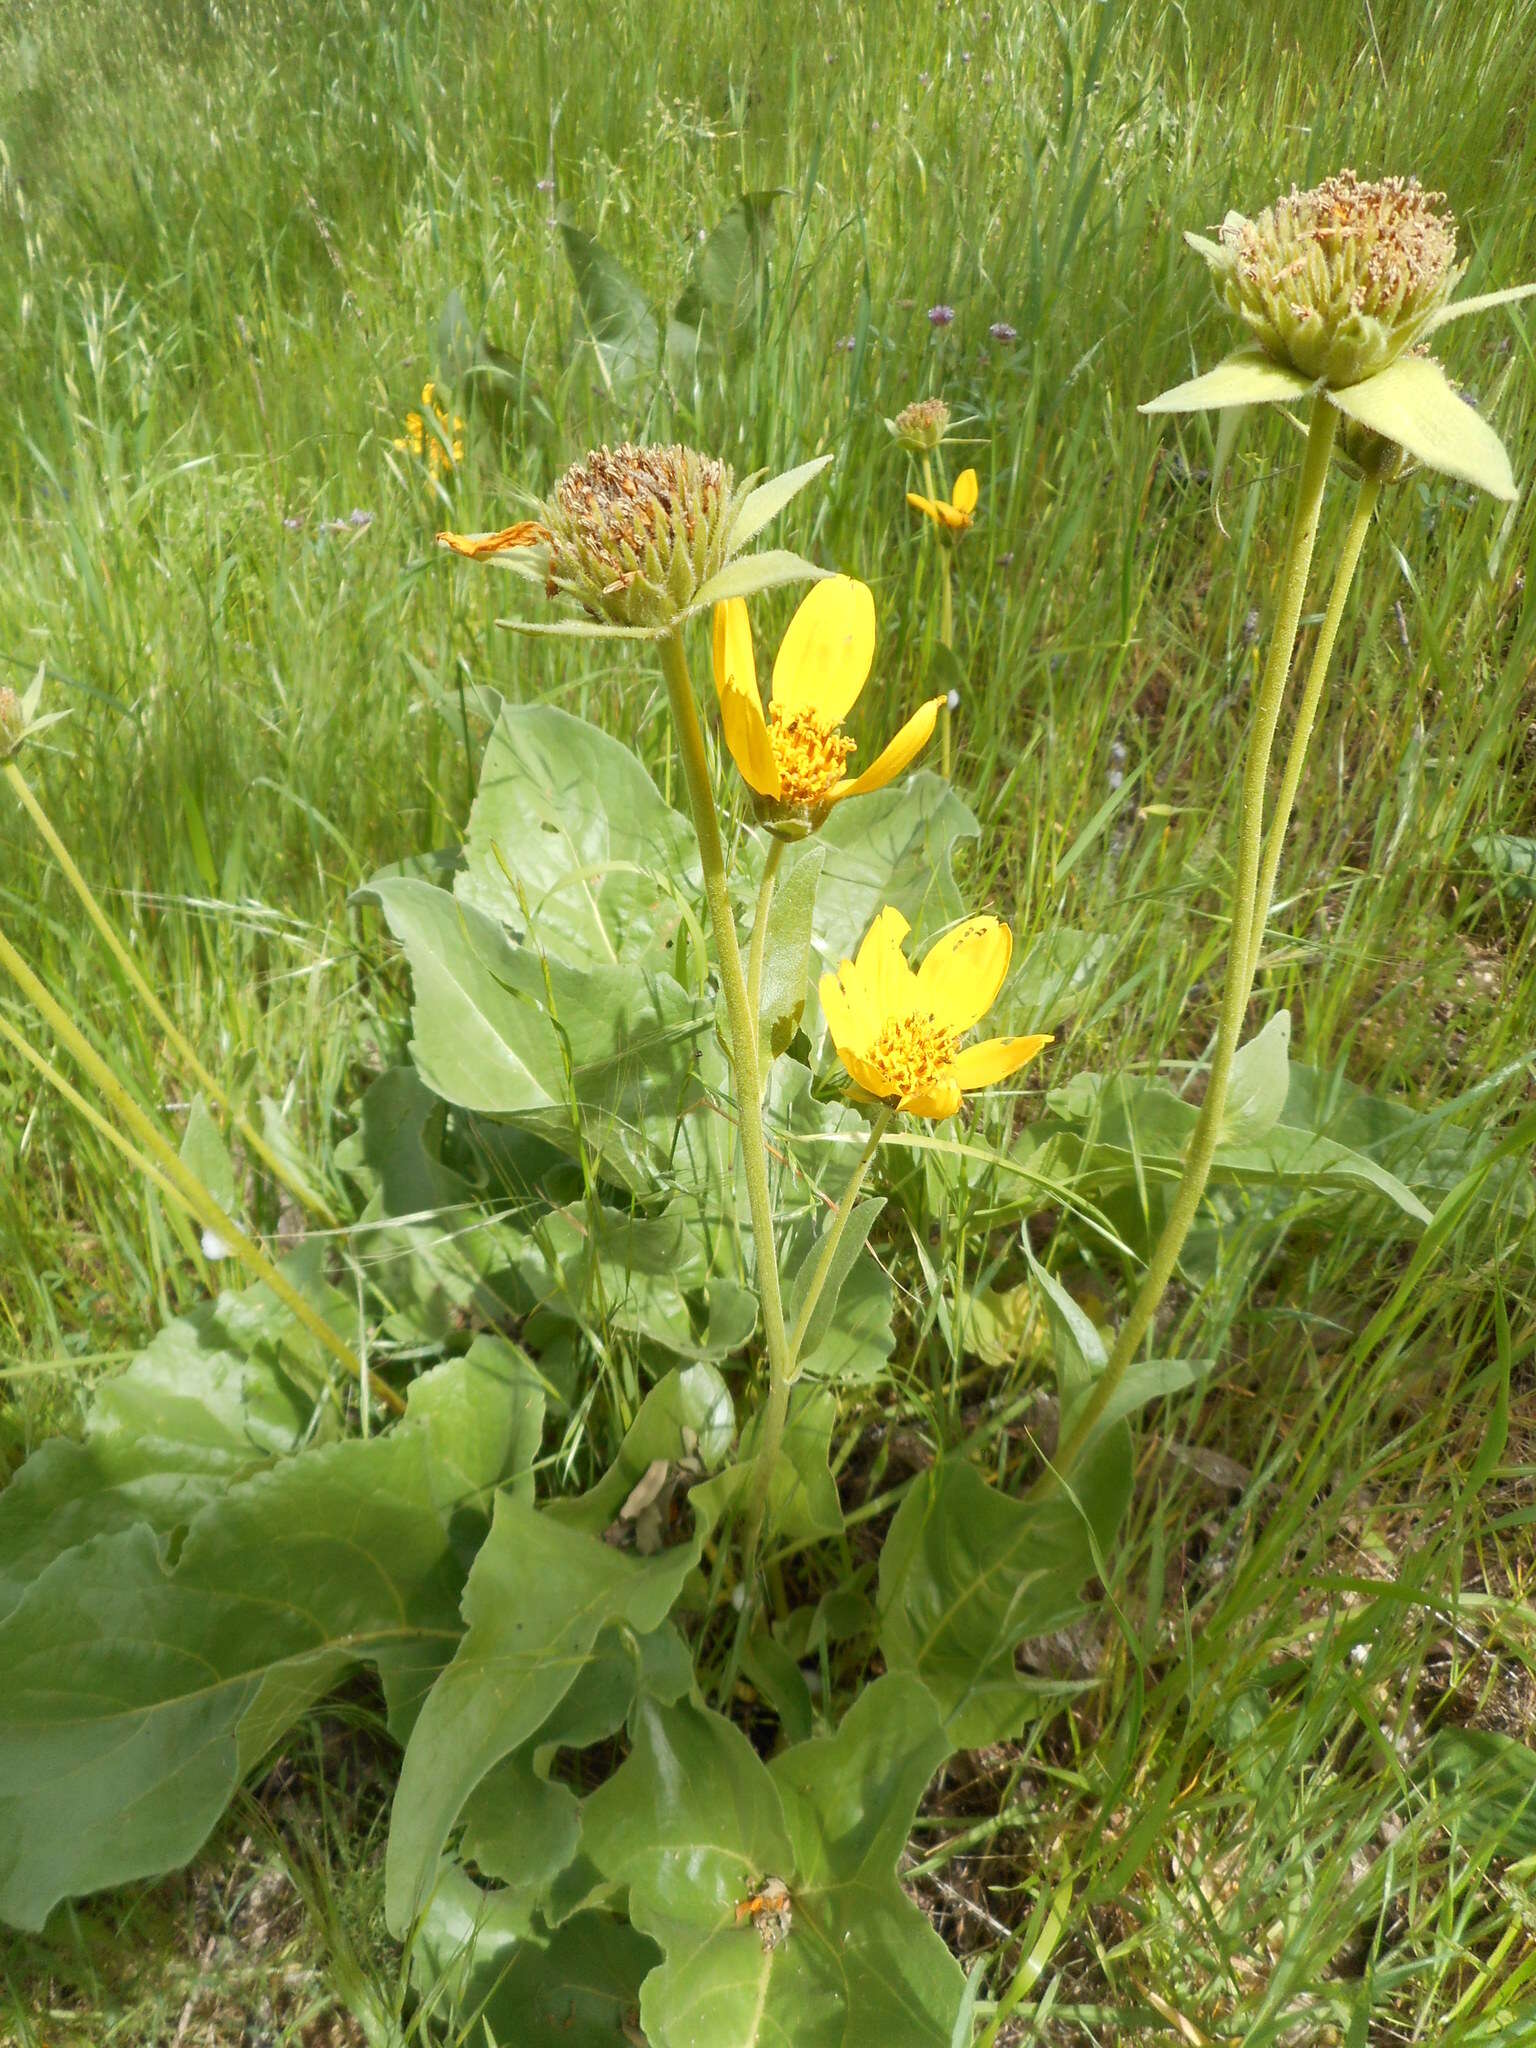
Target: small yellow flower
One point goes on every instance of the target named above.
(898, 1031)
(443, 449)
(951, 515)
(793, 760)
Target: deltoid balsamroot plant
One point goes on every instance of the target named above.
(625, 1189)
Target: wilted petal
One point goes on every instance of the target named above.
(825, 656)
(994, 1059)
(1412, 403)
(904, 749)
(477, 547)
(962, 972)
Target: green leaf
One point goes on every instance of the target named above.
(802, 1497)
(1413, 403)
(615, 313)
(538, 1595)
(968, 1574)
(770, 498)
(608, 1053)
(121, 1745)
(853, 1240)
(217, 1395)
(1050, 979)
(1490, 1782)
(786, 954)
(1458, 309)
(203, 1149)
(571, 844)
(1261, 1076)
(688, 1413)
(490, 1981)
(1246, 377)
(695, 1823)
(723, 294)
(894, 847)
(749, 574)
(857, 1343)
(1512, 860)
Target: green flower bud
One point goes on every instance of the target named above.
(635, 533)
(1337, 282)
(921, 426)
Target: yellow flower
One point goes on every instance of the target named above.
(443, 448)
(898, 1031)
(951, 515)
(793, 759)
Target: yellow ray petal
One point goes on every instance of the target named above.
(906, 746)
(869, 1078)
(962, 973)
(926, 505)
(939, 1099)
(527, 533)
(741, 708)
(847, 1016)
(994, 1059)
(966, 492)
(825, 656)
(882, 967)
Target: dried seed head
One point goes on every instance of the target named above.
(636, 532)
(13, 723)
(922, 425)
(1339, 280)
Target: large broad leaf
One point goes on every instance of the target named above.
(802, 1505)
(1490, 1780)
(538, 1596)
(1511, 860)
(1259, 1080)
(893, 847)
(571, 842)
(578, 1988)
(696, 1826)
(687, 1415)
(1246, 377)
(602, 1058)
(722, 297)
(968, 1574)
(786, 956)
(218, 1394)
(615, 313)
(137, 1687)
(1431, 1150)
(1413, 403)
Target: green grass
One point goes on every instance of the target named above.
(231, 232)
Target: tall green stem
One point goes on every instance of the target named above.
(125, 960)
(759, 945)
(1239, 982)
(1306, 713)
(835, 1231)
(743, 1024)
(208, 1211)
(946, 639)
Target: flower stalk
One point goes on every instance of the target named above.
(1241, 948)
(839, 1224)
(759, 945)
(306, 1197)
(749, 1090)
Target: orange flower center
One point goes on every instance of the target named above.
(811, 753)
(912, 1052)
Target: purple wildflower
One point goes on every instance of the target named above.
(940, 316)
(1001, 331)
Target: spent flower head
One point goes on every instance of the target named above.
(643, 537)
(793, 760)
(921, 426)
(897, 1031)
(1339, 288)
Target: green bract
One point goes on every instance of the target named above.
(1340, 287)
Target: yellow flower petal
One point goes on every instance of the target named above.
(868, 1077)
(478, 547)
(882, 968)
(926, 505)
(904, 749)
(962, 973)
(847, 1018)
(825, 656)
(994, 1059)
(741, 707)
(939, 1099)
(966, 492)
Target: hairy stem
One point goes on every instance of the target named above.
(1306, 713)
(203, 1205)
(759, 945)
(1239, 982)
(125, 960)
(743, 1026)
(835, 1231)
